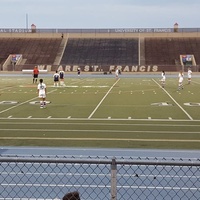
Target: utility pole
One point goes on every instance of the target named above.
(26, 21)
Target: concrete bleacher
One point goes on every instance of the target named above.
(167, 50)
(101, 51)
(34, 50)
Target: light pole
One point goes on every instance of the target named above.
(26, 21)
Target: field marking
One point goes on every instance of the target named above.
(96, 124)
(101, 119)
(94, 174)
(22, 103)
(150, 187)
(9, 87)
(174, 100)
(75, 81)
(195, 82)
(103, 99)
(83, 86)
(96, 130)
(98, 139)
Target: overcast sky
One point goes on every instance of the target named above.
(99, 13)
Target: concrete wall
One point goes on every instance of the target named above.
(98, 35)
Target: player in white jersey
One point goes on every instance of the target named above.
(180, 80)
(117, 73)
(189, 75)
(42, 93)
(163, 79)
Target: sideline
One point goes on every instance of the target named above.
(99, 139)
(173, 100)
(72, 122)
(103, 99)
(99, 119)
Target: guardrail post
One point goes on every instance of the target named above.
(113, 180)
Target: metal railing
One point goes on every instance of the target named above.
(99, 178)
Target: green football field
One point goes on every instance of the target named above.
(100, 111)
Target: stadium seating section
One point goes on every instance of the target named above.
(101, 51)
(166, 51)
(34, 50)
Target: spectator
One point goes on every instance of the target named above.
(72, 196)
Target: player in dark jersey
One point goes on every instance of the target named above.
(56, 78)
(61, 76)
(79, 71)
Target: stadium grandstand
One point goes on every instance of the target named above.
(132, 50)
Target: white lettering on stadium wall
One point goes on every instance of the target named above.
(96, 68)
(143, 30)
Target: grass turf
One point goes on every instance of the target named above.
(100, 112)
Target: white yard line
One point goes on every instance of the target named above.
(195, 82)
(98, 139)
(98, 119)
(6, 88)
(94, 130)
(174, 100)
(102, 99)
(88, 123)
(23, 103)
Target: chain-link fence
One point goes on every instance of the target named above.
(99, 178)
